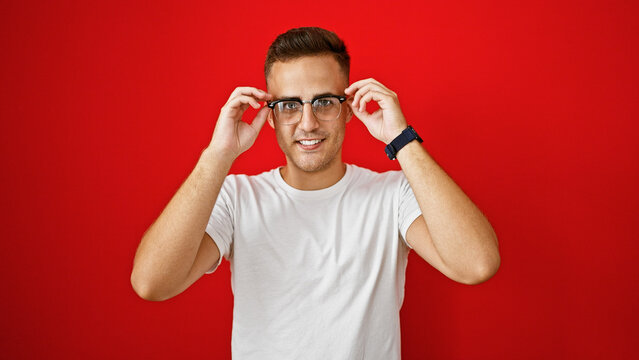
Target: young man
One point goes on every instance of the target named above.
(317, 248)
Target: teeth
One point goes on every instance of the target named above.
(309, 142)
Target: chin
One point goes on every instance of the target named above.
(311, 165)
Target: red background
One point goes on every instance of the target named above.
(531, 108)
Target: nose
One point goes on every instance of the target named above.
(308, 122)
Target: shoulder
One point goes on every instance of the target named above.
(371, 178)
(249, 183)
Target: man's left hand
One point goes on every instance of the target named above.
(388, 121)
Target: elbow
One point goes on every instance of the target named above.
(144, 290)
(485, 272)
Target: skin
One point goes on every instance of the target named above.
(456, 238)
(306, 78)
(451, 234)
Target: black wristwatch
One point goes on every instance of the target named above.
(409, 134)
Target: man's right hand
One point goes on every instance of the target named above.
(232, 136)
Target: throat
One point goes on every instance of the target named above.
(313, 180)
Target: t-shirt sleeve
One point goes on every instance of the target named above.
(220, 225)
(408, 207)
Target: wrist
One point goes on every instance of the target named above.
(407, 136)
(215, 157)
(394, 134)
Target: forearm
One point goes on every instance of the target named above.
(463, 237)
(168, 248)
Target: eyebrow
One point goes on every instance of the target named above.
(299, 98)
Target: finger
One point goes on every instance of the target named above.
(366, 88)
(247, 90)
(241, 100)
(362, 83)
(260, 119)
(258, 97)
(357, 112)
(382, 86)
(352, 88)
(362, 114)
(251, 91)
(372, 95)
(359, 84)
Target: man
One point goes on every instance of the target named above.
(317, 248)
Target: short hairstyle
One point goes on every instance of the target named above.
(307, 41)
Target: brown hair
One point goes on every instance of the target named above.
(307, 41)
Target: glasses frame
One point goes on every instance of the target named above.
(302, 102)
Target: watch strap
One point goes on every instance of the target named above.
(409, 134)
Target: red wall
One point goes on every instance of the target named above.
(532, 109)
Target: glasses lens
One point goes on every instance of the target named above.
(327, 108)
(288, 112)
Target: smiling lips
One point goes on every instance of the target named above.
(309, 144)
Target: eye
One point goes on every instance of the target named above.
(324, 102)
(289, 106)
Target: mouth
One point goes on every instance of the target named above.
(309, 144)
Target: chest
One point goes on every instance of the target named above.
(351, 232)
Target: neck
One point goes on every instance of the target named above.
(316, 180)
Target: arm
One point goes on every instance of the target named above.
(451, 234)
(168, 248)
(464, 243)
(173, 252)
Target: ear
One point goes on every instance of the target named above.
(349, 110)
(269, 118)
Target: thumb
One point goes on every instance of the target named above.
(356, 110)
(260, 119)
(361, 115)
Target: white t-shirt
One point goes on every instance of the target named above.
(315, 274)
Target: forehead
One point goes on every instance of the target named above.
(306, 77)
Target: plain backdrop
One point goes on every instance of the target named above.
(531, 107)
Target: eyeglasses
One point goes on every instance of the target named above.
(325, 108)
